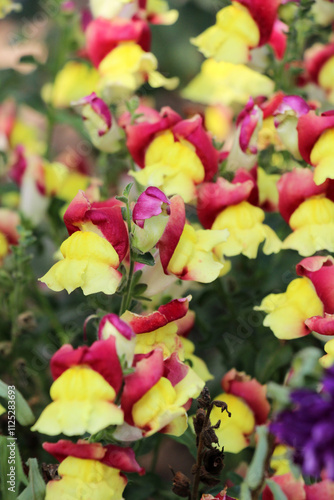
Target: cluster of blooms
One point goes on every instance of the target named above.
(205, 187)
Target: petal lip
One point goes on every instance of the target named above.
(323, 325)
(165, 314)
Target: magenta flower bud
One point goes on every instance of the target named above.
(150, 203)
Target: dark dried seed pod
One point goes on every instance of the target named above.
(204, 401)
(213, 461)
(207, 479)
(199, 421)
(209, 437)
(223, 406)
(181, 485)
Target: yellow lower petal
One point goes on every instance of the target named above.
(286, 312)
(313, 225)
(86, 479)
(89, 262)
(244, 223)
(232, 430)
(323, 157)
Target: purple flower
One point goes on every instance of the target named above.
(309, 428)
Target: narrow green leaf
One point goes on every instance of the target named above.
(139, 289)
(255, 470)
(276, 490)
(23, 412)
(145, 258)
(36, 487)
(6, 462)
(122, 198)
(127, 190)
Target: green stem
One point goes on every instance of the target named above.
(126, 299)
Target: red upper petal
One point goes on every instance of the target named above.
(294, 188)
(264, 13)
(63, 449)
(309, 128)
(278, 38)
(122, 458)
(167, 313)
(142, 133)
(104, 35)
(192, 130)
(214, 197)
(173, 230)
(174, 369)
(106, 215)
(250, 390)
(100, 356)
(315, 62)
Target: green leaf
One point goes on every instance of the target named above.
(122, 198)
(5, 464)
(256, 468)
(270, 359)
(139, 289)
(23, 412)
(36, 487)
(276, 490)
(127, 190)
(144, 258)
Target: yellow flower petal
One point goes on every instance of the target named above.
(194, 257)
(232, 430)
(89, 262)
(232, 35)
(286, 312)
(328, 360)
(172, 166)
(322, 156)
(82, 403)
(86, 479)
(165, 337)
(244, 223)
(227, 83)
(74, 81)
(157, 407)
(313, 225)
